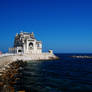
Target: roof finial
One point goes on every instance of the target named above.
(16, 34)
(32, 33)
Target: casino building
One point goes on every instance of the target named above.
(26, 43)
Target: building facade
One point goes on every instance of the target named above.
(26, 43)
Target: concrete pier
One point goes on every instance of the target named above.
(7, 58)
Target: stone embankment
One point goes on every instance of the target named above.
(8, 75)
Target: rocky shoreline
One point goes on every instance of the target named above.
(9, 75)
(11, 64)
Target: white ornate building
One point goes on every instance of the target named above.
(26, 43)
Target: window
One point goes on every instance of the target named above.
(38, 45)
(31, 44)
(19, 50)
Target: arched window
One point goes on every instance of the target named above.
(19, 50)
(31, 44)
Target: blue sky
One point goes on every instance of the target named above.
(63, 25)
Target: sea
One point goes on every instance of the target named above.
(67, 74)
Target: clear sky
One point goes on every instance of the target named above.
(62, 25)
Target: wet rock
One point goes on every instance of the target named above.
(9, 75)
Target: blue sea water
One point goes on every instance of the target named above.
(64, 75)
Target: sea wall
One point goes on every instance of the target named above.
(5, 60)
(8, 58)
(43, 56)
(14, 57)
(11, 63)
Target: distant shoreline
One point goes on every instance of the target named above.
(86, 57)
